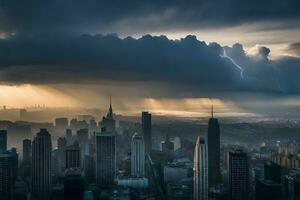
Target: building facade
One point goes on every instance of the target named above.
(200, 170)
(213, 147)
(41, 165)
(8, 174)
(147, 131)
(106, 151)
(137, 156)
(73, 156)
(238, 175)
(61, 147)
(3, 140)
(27, 150)
(105, 159)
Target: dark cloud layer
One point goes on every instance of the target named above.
(294, 48)
(99, 15)
(263, 74)
(67, 58)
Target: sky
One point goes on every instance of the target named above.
(156, 55)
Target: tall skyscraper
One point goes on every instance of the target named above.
(26, 161)
(213, 147)
(137, 156)
(200, 170)
(238, 175)
(3, 140)
(106, 151)
(73, 156)
(26, 150)
(61, 147)
(8, 164)
(41, 165)
(105, 159)
(147, 131)
(83, 139)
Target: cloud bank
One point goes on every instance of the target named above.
(294, 48)
(113, 15)
(91, 59)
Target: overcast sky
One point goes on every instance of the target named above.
(171, 48)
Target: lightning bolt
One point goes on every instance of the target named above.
(224, 55)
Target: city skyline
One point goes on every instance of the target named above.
(149, 100)
(90, 155)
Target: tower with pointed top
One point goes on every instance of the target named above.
(106, 151)
(108, 123)
(110, 110)
(213, 147)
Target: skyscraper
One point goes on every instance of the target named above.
(137, 156)
(83, 139)
(147, 131)
(41, 165)
(200, 170)
(73, 156)
(8, 164)
(105, 159)
(238, 175)
(26, 150)
(106, 151)
(61, 147)
(3, 140)
(213, 147)
(26, 162)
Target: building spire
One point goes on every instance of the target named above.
(110, 101)
(110, 112)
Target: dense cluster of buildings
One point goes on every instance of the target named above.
(99, 161)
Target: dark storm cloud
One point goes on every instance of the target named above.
(51, 58)
(263, 74)
(67, 58)
(99, 15)
(294, 48)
